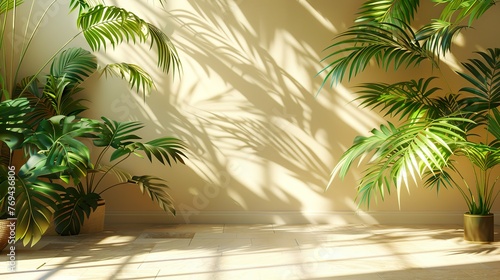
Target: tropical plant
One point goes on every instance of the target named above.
(40, 113)
(59, 140)
(435, 127)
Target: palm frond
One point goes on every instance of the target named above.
(387, 43)
(136, 76)
(392, 11)
(403, 98)
(361, 147)
(59, 93)
(494, 127)
(116, 134)
(458, 11)
(83, 5)
(482, 156)
(167, 54)
(120, 175)
(437, 36)
(103, 25)
(156, 188)
(74, 65)
(120, 136)
(54, 91)
(109, 24)
(485, 80)
(70, 68)
(400, 153)
(7, 5)
(163, 149)
(440, 178)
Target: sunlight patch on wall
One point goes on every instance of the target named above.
(317, 15)
(297, 57)
(452, 62)
(348, 111)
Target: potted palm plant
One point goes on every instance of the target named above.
(37, 103)
(435, 127)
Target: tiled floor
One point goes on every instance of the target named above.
(199, 252)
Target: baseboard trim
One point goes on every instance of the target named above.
(286, 217)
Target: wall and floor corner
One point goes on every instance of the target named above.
(262, 143)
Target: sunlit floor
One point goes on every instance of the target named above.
(148, 252)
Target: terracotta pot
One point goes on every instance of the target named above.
(479, 228)
(95, 222)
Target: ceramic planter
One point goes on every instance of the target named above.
(479, 228)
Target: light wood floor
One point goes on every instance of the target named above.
(150, 252)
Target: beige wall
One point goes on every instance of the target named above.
(262, 145)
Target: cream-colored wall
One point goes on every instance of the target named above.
(261, 143)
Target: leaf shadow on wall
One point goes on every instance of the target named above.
(246, 105)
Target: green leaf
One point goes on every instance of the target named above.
(458, 11)
(12, 139)
(403, 98)
(163, 149)
(156, 188)
(484, 94)
(387, 43)
(103, 25)
(35, 201)
(7, 5)
(392, 11)
(116, 134)
(494, 126)
(136, 76)
(57, 139)
(13, 114)
(410, 150)
(74, 65)
(75, 205)
(167, 54)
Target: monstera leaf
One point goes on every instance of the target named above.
(35, 199)
(75, 205)
(57, 138)
(13, 121)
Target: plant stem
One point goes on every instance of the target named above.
(50, 59)
(27, 44)
(96, 165)
(115, 185)
(107, 171)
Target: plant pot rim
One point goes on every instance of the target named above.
(478, 215)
